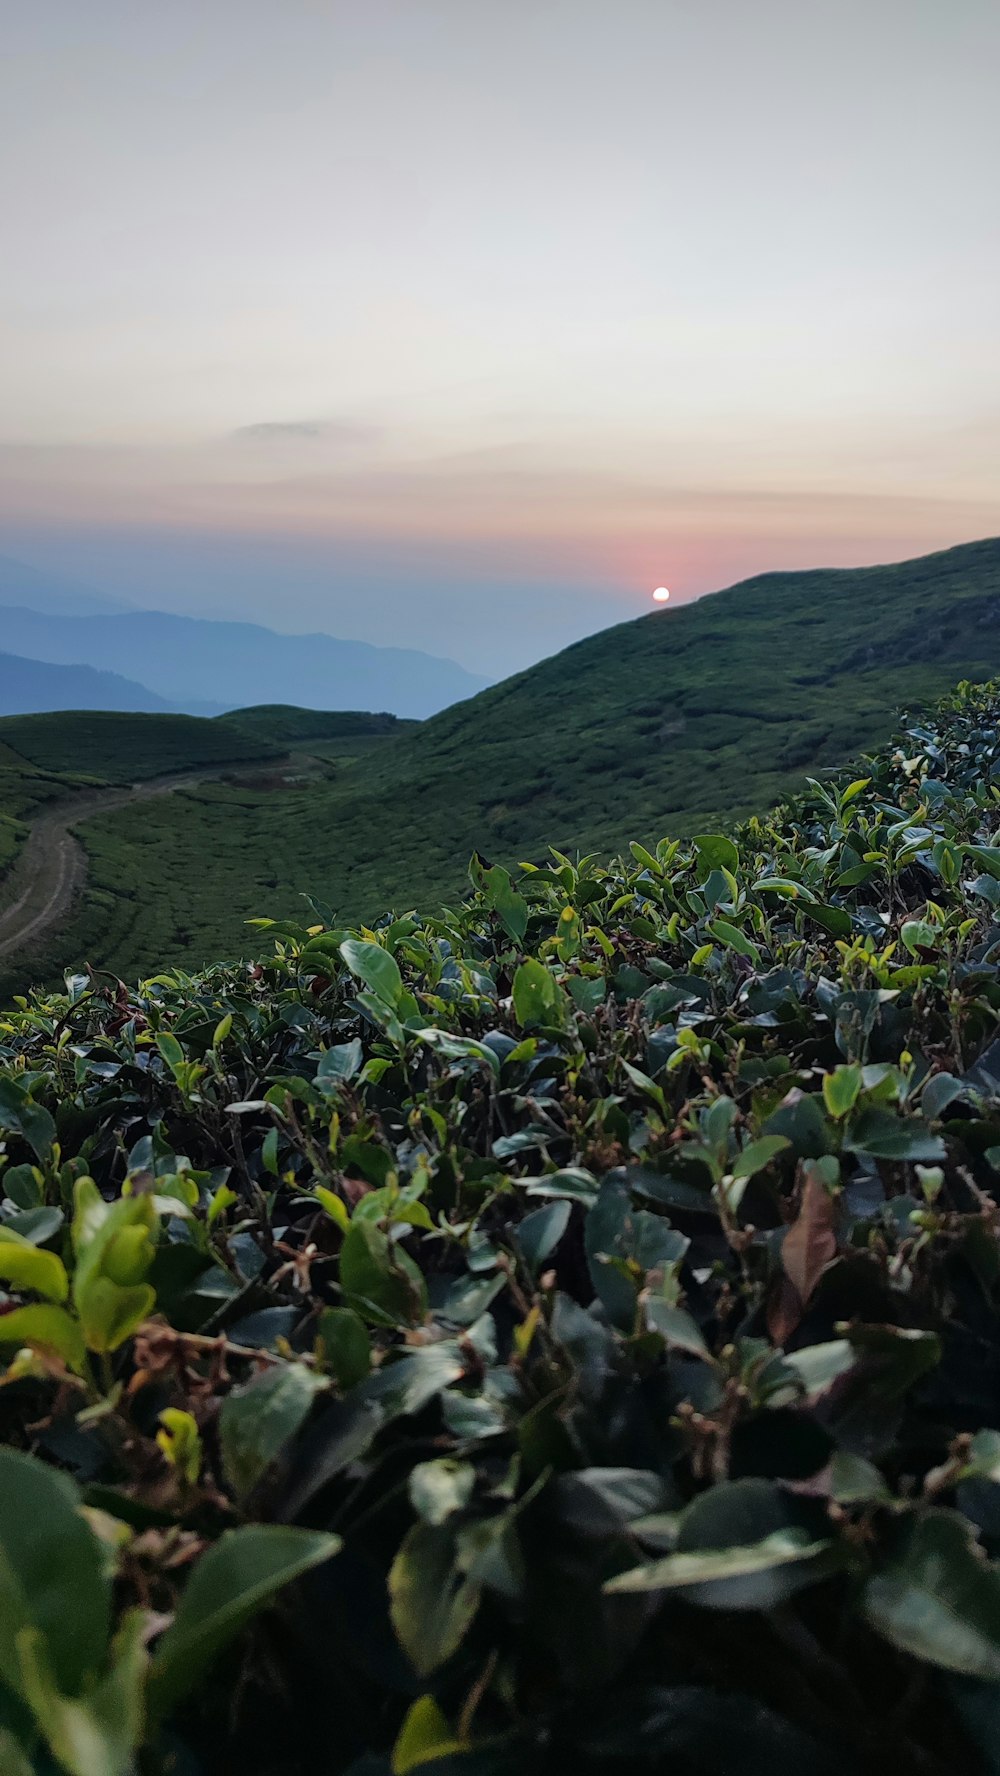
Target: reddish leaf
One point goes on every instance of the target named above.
(808, 1247)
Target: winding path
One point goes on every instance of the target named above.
(51, 866)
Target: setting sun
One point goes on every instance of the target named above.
(661, 595)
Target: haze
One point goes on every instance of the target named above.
(462, 324)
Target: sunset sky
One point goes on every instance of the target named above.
(463, 324)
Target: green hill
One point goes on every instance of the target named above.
(286, 725)
(121, 748)
(702, 713)
(687, 716)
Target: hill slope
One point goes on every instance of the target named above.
(663, 725)
(187, 660)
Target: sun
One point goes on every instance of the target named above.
(661, 595)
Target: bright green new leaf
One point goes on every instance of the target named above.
(840, 1090)
(423, 1737)
(25, 1266)
(46, 1329)
(538, 997)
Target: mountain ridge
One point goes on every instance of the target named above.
(38, 687)
(197, 660)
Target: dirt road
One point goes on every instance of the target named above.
(52, 865)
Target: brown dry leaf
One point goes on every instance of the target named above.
(808, 1247)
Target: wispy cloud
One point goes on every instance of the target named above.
(345, 432)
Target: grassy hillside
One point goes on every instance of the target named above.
(573, 1319)
(252, 759)
(120, 748)
(699, 714)
(286, 725)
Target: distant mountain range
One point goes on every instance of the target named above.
(204, 667)
(50, 593)
(31, 687)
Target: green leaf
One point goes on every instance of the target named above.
(938, 1599)
(885, 1136)
(510, 907)
(346, 1347)
(339, 1064)
(440, 1488)
(53, 1577)
(840, 1090)
(110, 1314)
(27, 1267)
(98, 1734)
(676, 1327)
(759, 1154)
(171, 1051)
(46, 1329)
(432, 1602)
(715, 851)
(423, 1737)
(538, 997)
(835, 920)
(373, 965)
(540, 1232)
(377, 1271)
(919, 935)
(21, 1115)
(257, 1421)
(756, 1577)
(237, 1577)
(734, 939)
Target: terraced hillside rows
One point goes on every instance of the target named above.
(58, 770)
(703, 713)
(577, 1311)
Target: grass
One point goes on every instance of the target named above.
(686, 718)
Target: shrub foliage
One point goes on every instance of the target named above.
(560, 1333)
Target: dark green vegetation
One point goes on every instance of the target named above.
(113, 748)
(580, 1307)
(707, 712)
(283, 724)
(55, 760)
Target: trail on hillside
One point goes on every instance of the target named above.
(52, 865)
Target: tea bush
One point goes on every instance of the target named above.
(556, 1334)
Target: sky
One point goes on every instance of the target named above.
(462, 324)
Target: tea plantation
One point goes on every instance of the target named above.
(709, 712)
(555, 1333)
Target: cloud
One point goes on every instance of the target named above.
(348, 432)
